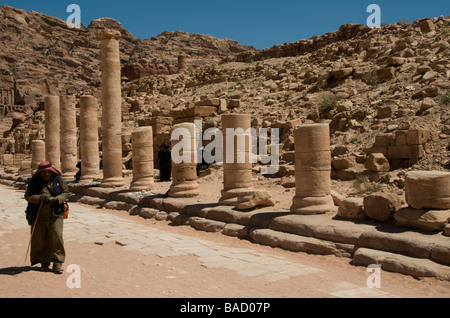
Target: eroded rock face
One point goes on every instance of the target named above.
(68, 57)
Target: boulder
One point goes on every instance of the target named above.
(377, 162)
(352, 208)
(342, 73)
(343, 162)
(252, 198)
(381, 206)
(395, 61)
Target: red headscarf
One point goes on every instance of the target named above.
(45, 165)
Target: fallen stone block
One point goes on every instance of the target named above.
(206, 225)
(161, 216)
(236, 230)
(390, 238)
(381, 206)
(297, 224)
(415, 267)
(352, 208)
(125, 196)
(428, 189)
(292, 242)
(180, 219)
(176, 204)
(99, 192)
(147, 213)
(440, 252)
(255, 198)
(341, 231)
(429, 220)
(91, 200)
(377, 162)
(117, 205)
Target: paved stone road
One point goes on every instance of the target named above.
(86, 226)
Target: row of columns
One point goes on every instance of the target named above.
(60, 146)
(312, 156)
(312, 146)
(312, 166)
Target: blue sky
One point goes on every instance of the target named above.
(259, 23)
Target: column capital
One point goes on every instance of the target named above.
(107, 34)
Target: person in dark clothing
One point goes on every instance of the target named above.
(47, 190)
(203, 165)
(78, 174)
(165, 162)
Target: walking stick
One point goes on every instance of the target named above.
(32, 229)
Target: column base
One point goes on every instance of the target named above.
(113, 182)
(142, 184)
(312, 205)
(185, 189)
(230, 196)
(90, 178)
(69, 175)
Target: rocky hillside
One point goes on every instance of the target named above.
(369, 84)
(45, 57)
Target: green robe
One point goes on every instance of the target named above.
(47, 243)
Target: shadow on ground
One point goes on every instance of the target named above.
(16, 270)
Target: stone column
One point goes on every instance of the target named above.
(52, 131)
(111, 109)
(184, 173)
(312, 170)
(182, 67)
(142, 154)
(37, 154)
(69, 156)
(89, 149)
(237, 165)
(428, 189)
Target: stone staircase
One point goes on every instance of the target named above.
(396, 249)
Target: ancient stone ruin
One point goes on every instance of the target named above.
(111, 109)
(52, 131)
(361, 116)
(428, 198)
(89, 140)
(312, 170)
(142, 143)
(184, 169)
(237, 173)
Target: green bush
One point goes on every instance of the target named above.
(327, 103)
(444, 98)
(362, 185)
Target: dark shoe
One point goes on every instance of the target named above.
(45, 265)
(57, 268)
